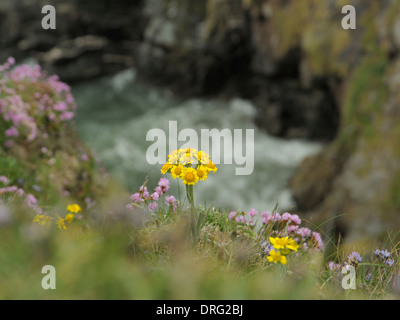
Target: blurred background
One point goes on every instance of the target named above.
(324, 101)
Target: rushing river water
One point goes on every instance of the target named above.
(115, 114)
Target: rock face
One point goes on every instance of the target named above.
(92, 38)
(355, 179)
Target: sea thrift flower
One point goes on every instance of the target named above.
(159, 190)
(171, 201)
(137, 198)
(144, 192)
(252, 213)
(232, 215)
(155, 196)
(334, 267)
(31, 201)
(4, 180)
(12, 132)
(153, 206)
(164, 184)
(304, 232)
(316, 237)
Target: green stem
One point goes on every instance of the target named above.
(189, 193)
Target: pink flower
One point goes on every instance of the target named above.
(291, 218)
(252, 213)
(67, 116)
(31, 201)
(292, 228)
(136, 198)
(171, 201)
(144, 192)
(153, 206)
(319, 245)
(295, 219)
(164, 184)
(232, 215)
(12, 132)
(158, 190)
(155, 196)
(304, 232)
(4, 180)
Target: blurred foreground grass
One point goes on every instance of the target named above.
(113, 258)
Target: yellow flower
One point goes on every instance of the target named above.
(203, 157)
(61, 224)
(186, 158)
(166, 168)
(279, 243)
(292, 245)
(177, 171)
(42, 219)
(38, 218)
(202, 173)
(276, 257)
(74, 208)
(211, 166)
(69, 217)
(173, 158)
(188, 151)
(189, 176)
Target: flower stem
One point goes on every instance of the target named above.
(189, 193)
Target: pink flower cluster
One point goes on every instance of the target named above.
(31, 102)
(281, 225)
(152, 201)
(29, 200)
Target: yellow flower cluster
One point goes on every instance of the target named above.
(43, 220)
(189, 165)
(283, 247)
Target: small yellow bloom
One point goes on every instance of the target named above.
(186, 159)
(189, 176)
(276, 257)
(61, 224)
(202, 173)
(279, 243)
(176, 171)
(38, 218)
(166, 167)
(69, 217)
(211, 166)
(42, 219)
(173, 158)
(203, 157)
(74, 208)
(292, 245)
